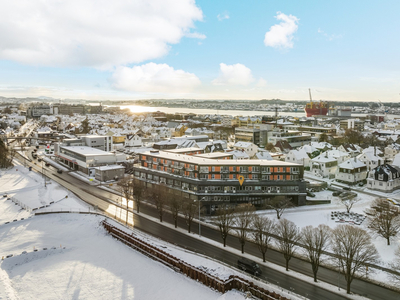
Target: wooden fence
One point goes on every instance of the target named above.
(234, 282)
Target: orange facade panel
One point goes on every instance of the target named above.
(287, 177)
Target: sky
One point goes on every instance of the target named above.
(186, 49)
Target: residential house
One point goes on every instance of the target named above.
(385, 178)
(299, 156)
(324, 166)
(133, 140)
(350, 148)
(371, 160)
(391, 151)
(352, 171)
(250, 148)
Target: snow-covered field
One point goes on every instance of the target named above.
(87, 263)
(81, 261)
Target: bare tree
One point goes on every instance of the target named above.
(138, 191)
(263, 230)
(6, 155)
(279, 204)
(244, 214)
(315, 240)
(224, 220)
(353, 249)
(349, 200)
(289, 235)
(126, 188)
(175, 206)
(189, 210)
(157, 196)
(384, 219)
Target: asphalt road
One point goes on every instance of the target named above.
(105, 201)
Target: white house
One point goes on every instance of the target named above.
(351, 171)
(385, 178)
(324, 166)
(340, 156)
(391, 151)
(370, 160)
(250, 148)
(133, 140)
(299, 157)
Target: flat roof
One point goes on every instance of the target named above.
(109, 167)
(183, 150)
(86, 151)
(214, 155)
(218, 162)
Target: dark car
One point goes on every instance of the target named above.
(249, 266)
(347, 188)
(39, 159)
(59, 171)
(310, 194)
(47, 164)
(336, 193)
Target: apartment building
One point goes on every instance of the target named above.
(216, 181)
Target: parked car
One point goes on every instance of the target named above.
(336, 193)
(39, 159)
(59, 171)
(47, 164)
(249, 266)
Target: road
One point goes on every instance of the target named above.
(107, 201)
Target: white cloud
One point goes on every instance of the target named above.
(329, 37)
(95, 33)
(154, 78)
(281, 35)
(261, 82)
(236, 74)
(223, 16)
(195, 35)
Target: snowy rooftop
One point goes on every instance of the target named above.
(351, 164)
(207, 161)
(109, 167)
(87, 151)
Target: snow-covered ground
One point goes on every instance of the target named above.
(81, 261)
(85, 263)
(93, 265)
